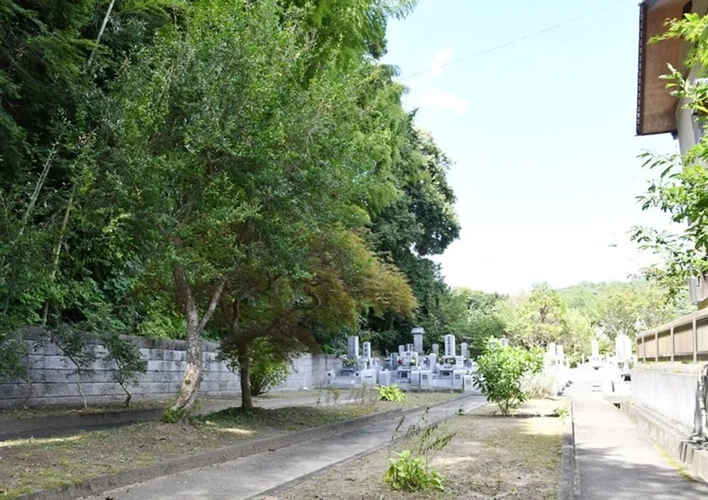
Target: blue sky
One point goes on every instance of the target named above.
(542, 134)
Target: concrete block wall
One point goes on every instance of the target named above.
(310, 371)
(54, 379)
(671, 393)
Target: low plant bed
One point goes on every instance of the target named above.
(38, 464)
(487, 458)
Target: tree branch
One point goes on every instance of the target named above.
(100, 32)
(212, 303)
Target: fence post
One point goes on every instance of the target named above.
(656, 345)
(695, 341)
(673, 347)
(644, 351)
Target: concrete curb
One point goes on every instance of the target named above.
(354, 458)
(672, 439)
(570, 475)
(99, 484)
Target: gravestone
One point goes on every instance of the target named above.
(367, 350)
(353, 347)
(418, 339)
(449, 345)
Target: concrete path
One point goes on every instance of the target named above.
(253, 476)
(614, 461)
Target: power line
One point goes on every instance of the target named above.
(518, 40)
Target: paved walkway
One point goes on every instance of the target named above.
(253, 476)
(615, 462)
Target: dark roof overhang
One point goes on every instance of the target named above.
(656, 107)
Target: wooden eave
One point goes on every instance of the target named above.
(656, 108)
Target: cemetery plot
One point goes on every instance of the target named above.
(410, 368)
(489, 457)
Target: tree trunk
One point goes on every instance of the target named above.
(57, 253)
(187, 396)
(244, 363)
(182, 407)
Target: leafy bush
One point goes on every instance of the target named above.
(269, 367)
(409, 473)
(391, 393)
(500, 373)
(561, 411)
(172, 415)
(130, 363)
(408, 470)
(13, 358)
(266, 373)
(75, 344)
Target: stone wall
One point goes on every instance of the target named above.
(670, 390)
(54, 379)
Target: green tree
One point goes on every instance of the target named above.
(421, 222)
(57, 58)
(346, 30)
(681, 188)
(482, 320)
(501, 371)
(227, 169)
(337, 280)
(537, 319)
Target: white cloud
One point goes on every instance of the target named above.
(443, 99)
(440, 59)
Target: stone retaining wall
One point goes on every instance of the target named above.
(672, 394)
(54, 379)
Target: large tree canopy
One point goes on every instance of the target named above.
(207, 167)
(420, 223)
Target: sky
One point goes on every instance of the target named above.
(542, 133)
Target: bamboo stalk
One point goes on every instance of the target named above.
(57, 252)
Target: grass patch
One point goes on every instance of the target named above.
(35, 464)
(57, 411)
(278, 420)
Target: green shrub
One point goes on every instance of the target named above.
(76, 344)
(500, 373)
(13, 358)
(172, 416)
(408, 470)
(266, 373)
(269, 367)
(561, 411)
(409, 473)
(391, 393)
(129, 361)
